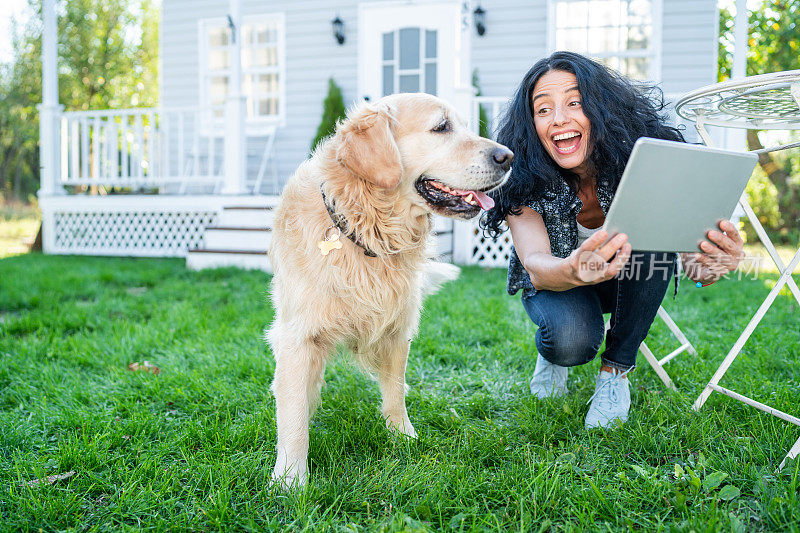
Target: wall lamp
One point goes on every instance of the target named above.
(338, 29)
(479, 17)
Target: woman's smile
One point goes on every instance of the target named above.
(567, 142)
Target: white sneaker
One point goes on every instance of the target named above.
(549, 380)
(611, 400)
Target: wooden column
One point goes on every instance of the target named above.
(49, 109)
(235, 137)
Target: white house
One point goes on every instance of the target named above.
(241, 90)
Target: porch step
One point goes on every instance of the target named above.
(246, 217)
(201, 259)
(238, 238)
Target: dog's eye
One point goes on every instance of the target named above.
(443, 127)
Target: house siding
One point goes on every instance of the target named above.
(515, 38)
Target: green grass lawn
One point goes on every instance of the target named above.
(192, 448)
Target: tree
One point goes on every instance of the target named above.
(108, 58)
(774, 45)
(333, 111)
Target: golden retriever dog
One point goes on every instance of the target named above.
(349, 257)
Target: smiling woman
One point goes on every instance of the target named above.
(572, 126)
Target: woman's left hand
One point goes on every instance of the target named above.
(719, 256)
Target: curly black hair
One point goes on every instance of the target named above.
(619, 111)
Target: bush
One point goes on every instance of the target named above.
(763, 198)
(333, 110)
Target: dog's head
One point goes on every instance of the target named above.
(416, 145)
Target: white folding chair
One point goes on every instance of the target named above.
(767, 101)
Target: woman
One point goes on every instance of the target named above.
(571, 126)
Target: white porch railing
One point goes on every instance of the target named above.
(173, 150)
(136, 148)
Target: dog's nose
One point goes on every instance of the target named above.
(503, 157)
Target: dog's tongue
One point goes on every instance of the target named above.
(483, 199)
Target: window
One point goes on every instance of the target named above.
(619, 33)
(262, 66)
(409, 61)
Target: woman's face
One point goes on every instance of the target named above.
(560, 123)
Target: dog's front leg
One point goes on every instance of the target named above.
(298, 380)
(392, 379)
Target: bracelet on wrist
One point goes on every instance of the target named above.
(700, 284)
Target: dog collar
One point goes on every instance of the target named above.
(341, 223)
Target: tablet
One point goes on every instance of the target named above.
(672, 193)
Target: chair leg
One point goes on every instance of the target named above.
(748, 330)
(657, 366)
(653, 362)
(794, 452)
(765, 240)
(673, 327)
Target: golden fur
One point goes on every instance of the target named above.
(370, 304)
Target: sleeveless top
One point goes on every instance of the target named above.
(584, 233)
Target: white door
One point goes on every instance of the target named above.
(410, 47)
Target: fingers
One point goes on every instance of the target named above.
(730, 241)
(728, 250)
(594, 241)
(713, 264)
(696, 269)
(724, 243)
(607, 250)
(731, 231)
(619, 262)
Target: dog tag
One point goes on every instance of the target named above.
(331, 242)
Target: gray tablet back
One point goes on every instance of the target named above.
(672, 193)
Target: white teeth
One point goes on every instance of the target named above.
(567, 135)
(468, 198)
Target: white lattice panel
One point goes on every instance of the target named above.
(490, 252)
(143, 233)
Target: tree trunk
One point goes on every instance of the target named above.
(18, 175)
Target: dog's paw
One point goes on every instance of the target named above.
(289, 479)
(289, 475)
(403, 427)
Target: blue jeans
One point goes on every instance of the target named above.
(571, 325)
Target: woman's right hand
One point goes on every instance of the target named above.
(596, 260)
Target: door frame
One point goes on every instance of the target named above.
(461, 73)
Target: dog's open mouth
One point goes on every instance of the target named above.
(457, 201)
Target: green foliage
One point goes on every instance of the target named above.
(773, 46)
(483, 117)
(193, 447)
(763, 197)
(725, 45)
(333, 111)
(773, 38)
(107, 59)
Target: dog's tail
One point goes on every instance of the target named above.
(437, 274)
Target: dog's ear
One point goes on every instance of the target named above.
(367, 147)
